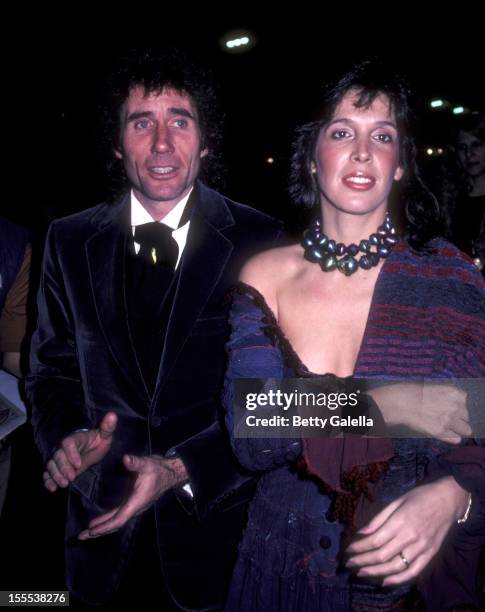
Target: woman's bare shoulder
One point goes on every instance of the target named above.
(269, 270)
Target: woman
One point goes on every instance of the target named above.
(352, 300)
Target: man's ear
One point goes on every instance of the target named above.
(204, 153)
(398, 174)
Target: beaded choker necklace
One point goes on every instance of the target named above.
(331, 255)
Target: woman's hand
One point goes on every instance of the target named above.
(436, 410)
(402, 539)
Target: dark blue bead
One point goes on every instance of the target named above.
(331, 246)
(364, 263)
(383, 251)
(328, 263)
(322, 241)
(352, 249)
(374, 259)
(340, 248)
(313, 254)
(347, 265)
(391, 240)
(374, 239)
(364, 246)
(306, 242)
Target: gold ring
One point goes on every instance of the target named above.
(403, 559)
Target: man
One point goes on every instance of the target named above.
(128, 356)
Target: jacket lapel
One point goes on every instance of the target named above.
(205, 256)
(105, 252)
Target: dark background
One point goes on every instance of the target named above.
(54, 66)
(60, 67)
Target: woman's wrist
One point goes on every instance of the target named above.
(460, 497)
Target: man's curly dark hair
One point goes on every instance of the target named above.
(155, 70)
(413, 206)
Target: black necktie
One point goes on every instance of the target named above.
(157, 244)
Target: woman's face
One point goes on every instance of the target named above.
(357, 156)
(471, 153)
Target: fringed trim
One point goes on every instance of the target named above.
(355, 481)
(272, 329)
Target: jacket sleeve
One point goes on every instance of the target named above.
(53, 384)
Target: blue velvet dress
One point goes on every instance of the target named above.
(426, 320)
(290, 555)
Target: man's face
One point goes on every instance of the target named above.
(160, 145)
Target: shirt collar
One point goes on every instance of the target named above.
(139, 214)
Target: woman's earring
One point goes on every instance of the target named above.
(313, 169)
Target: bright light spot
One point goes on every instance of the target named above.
(458, 110)
(237, 42)
(429, 151)
(439, 151)
(436, 103)
(270, 160)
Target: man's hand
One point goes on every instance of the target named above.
(155, 476)
(78, 452)
(435, 410)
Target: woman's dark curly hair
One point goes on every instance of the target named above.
(413, 206)
(154, 70)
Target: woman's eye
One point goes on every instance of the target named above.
(340, 134)
(384, 138)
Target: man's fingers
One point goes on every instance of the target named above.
(449, 437)
(133, 463)
(49, 484)
(64, 465)
(72, 452)
(103, 517)
(56, 475)
(108, 425)
(118, 519)
(461, 427)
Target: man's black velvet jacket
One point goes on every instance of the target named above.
(83, 364)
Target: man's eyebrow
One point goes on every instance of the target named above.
(173, 110)
(139, 115)
(350, 121)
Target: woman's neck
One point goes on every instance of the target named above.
(350, 228)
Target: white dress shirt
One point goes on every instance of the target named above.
(139, 216)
